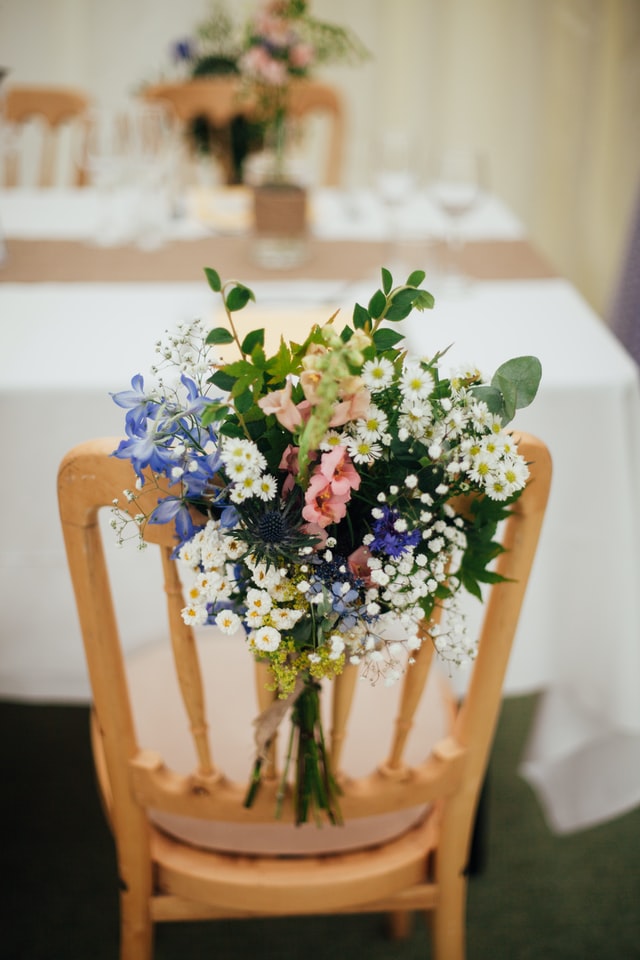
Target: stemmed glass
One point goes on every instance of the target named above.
(104, 152)
(154, 155)
(395, 179)
(457, 178)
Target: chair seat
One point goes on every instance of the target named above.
(227, 668)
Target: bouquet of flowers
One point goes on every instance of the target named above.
(283, 43)
(315, 496)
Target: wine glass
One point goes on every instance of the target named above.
(457, 178)
(153, 170)
(106, 147)
(395, 179)
(104, 153)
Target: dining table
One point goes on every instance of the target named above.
(82, 306)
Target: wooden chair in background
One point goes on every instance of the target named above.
(54, 108)
(408, 822)
(215, 100)
(309, 98)
(220, 101)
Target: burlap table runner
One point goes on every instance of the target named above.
(65, 261)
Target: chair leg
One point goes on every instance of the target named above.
(136, 928)
(398, 924)
(448, 921)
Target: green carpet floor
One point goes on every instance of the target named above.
(552, 898)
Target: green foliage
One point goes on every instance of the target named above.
(254, 375)
(513, 386)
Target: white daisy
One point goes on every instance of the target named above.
(194, 614)
(373, 425)
(415, 382)
(258, 600)
(228, 621)
(265, 487)
(377, 374)
(267, 639)
(362, 450)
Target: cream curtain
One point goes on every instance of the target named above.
(548, 89)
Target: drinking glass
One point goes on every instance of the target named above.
(457, 178)
(395, 180)
(153, 170)
(104, 152)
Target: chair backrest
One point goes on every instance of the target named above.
(221, 99)
(216, 98)
(140, 786)
(54, 109)
(309, 97)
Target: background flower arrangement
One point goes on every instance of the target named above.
(315, 495)
(281, 42)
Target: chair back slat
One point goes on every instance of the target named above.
(266, 694)
(187, 664)
(52, 108)
(412, 689)
(343, 690)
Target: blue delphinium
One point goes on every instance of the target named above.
(390, 533)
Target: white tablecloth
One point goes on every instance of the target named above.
(64, 346)
(62, 214)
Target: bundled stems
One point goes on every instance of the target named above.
(315, 790)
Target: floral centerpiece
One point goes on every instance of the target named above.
(313, 495)
(279, 43)
(284, 42)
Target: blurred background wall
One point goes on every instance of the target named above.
(548, 89)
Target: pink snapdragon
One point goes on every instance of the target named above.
(330, 488)
(279, 402)
(336, 467)
(352, 408)
(353, 405)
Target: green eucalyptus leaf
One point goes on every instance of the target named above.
(377, 304)
(213, 279)
(415, 279)
(238, 297)
(387, 280)
(518, 380)
(491, 396)
(219, 335)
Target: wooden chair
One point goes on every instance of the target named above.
(418, 866)
(220, 100)
(54, 107)
(217, 100)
